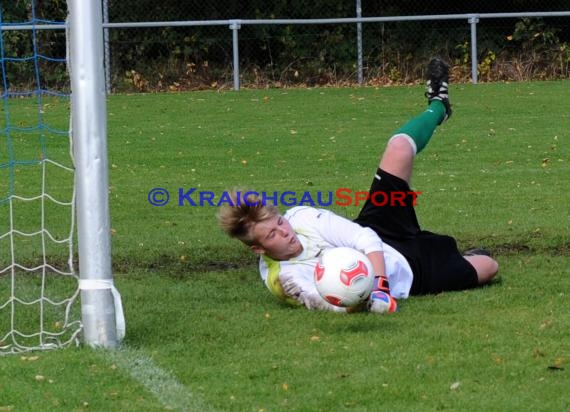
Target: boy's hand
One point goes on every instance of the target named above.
(382, 302)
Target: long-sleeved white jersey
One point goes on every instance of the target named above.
(319, 229)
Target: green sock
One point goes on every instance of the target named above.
(421, 127)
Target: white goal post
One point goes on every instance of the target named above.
(101, 308)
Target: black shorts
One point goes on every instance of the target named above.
(435, 259)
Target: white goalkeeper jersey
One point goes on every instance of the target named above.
(319, 229)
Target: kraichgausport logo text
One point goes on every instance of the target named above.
(340, 197)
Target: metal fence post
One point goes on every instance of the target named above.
(107, 51)
(473, 20)
(235, 25)
(359, 41)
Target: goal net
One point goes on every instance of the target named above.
(38, 280)
(44, 302)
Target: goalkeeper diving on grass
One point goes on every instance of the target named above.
(406, 259)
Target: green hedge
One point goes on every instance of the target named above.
(179, 58)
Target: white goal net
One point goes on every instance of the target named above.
(38, 282)
(49, 176)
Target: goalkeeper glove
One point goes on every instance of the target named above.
(382, 302)
(381, 283)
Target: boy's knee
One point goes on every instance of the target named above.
(403, 144)
(488, 270)
(485, 266)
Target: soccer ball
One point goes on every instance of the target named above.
(344, 276)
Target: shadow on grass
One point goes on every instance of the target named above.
(177, 266)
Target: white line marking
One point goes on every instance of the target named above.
(162, 384)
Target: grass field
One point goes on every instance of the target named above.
(204, 334)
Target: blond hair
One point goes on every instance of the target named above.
(238, 218)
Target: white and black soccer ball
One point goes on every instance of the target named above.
(344, 276)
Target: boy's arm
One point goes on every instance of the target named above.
(309, 297)
(377, 260)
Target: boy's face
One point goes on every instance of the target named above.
(275, 237)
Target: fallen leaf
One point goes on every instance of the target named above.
(545, 324)
(557, 365)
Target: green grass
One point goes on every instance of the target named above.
(496, 175)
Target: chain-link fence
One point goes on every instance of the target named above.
(478, 41)
(275, 55)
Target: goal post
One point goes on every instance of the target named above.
(54, 201)
(101, 308)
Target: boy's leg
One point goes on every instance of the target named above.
(414, 135)
(485, 266)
